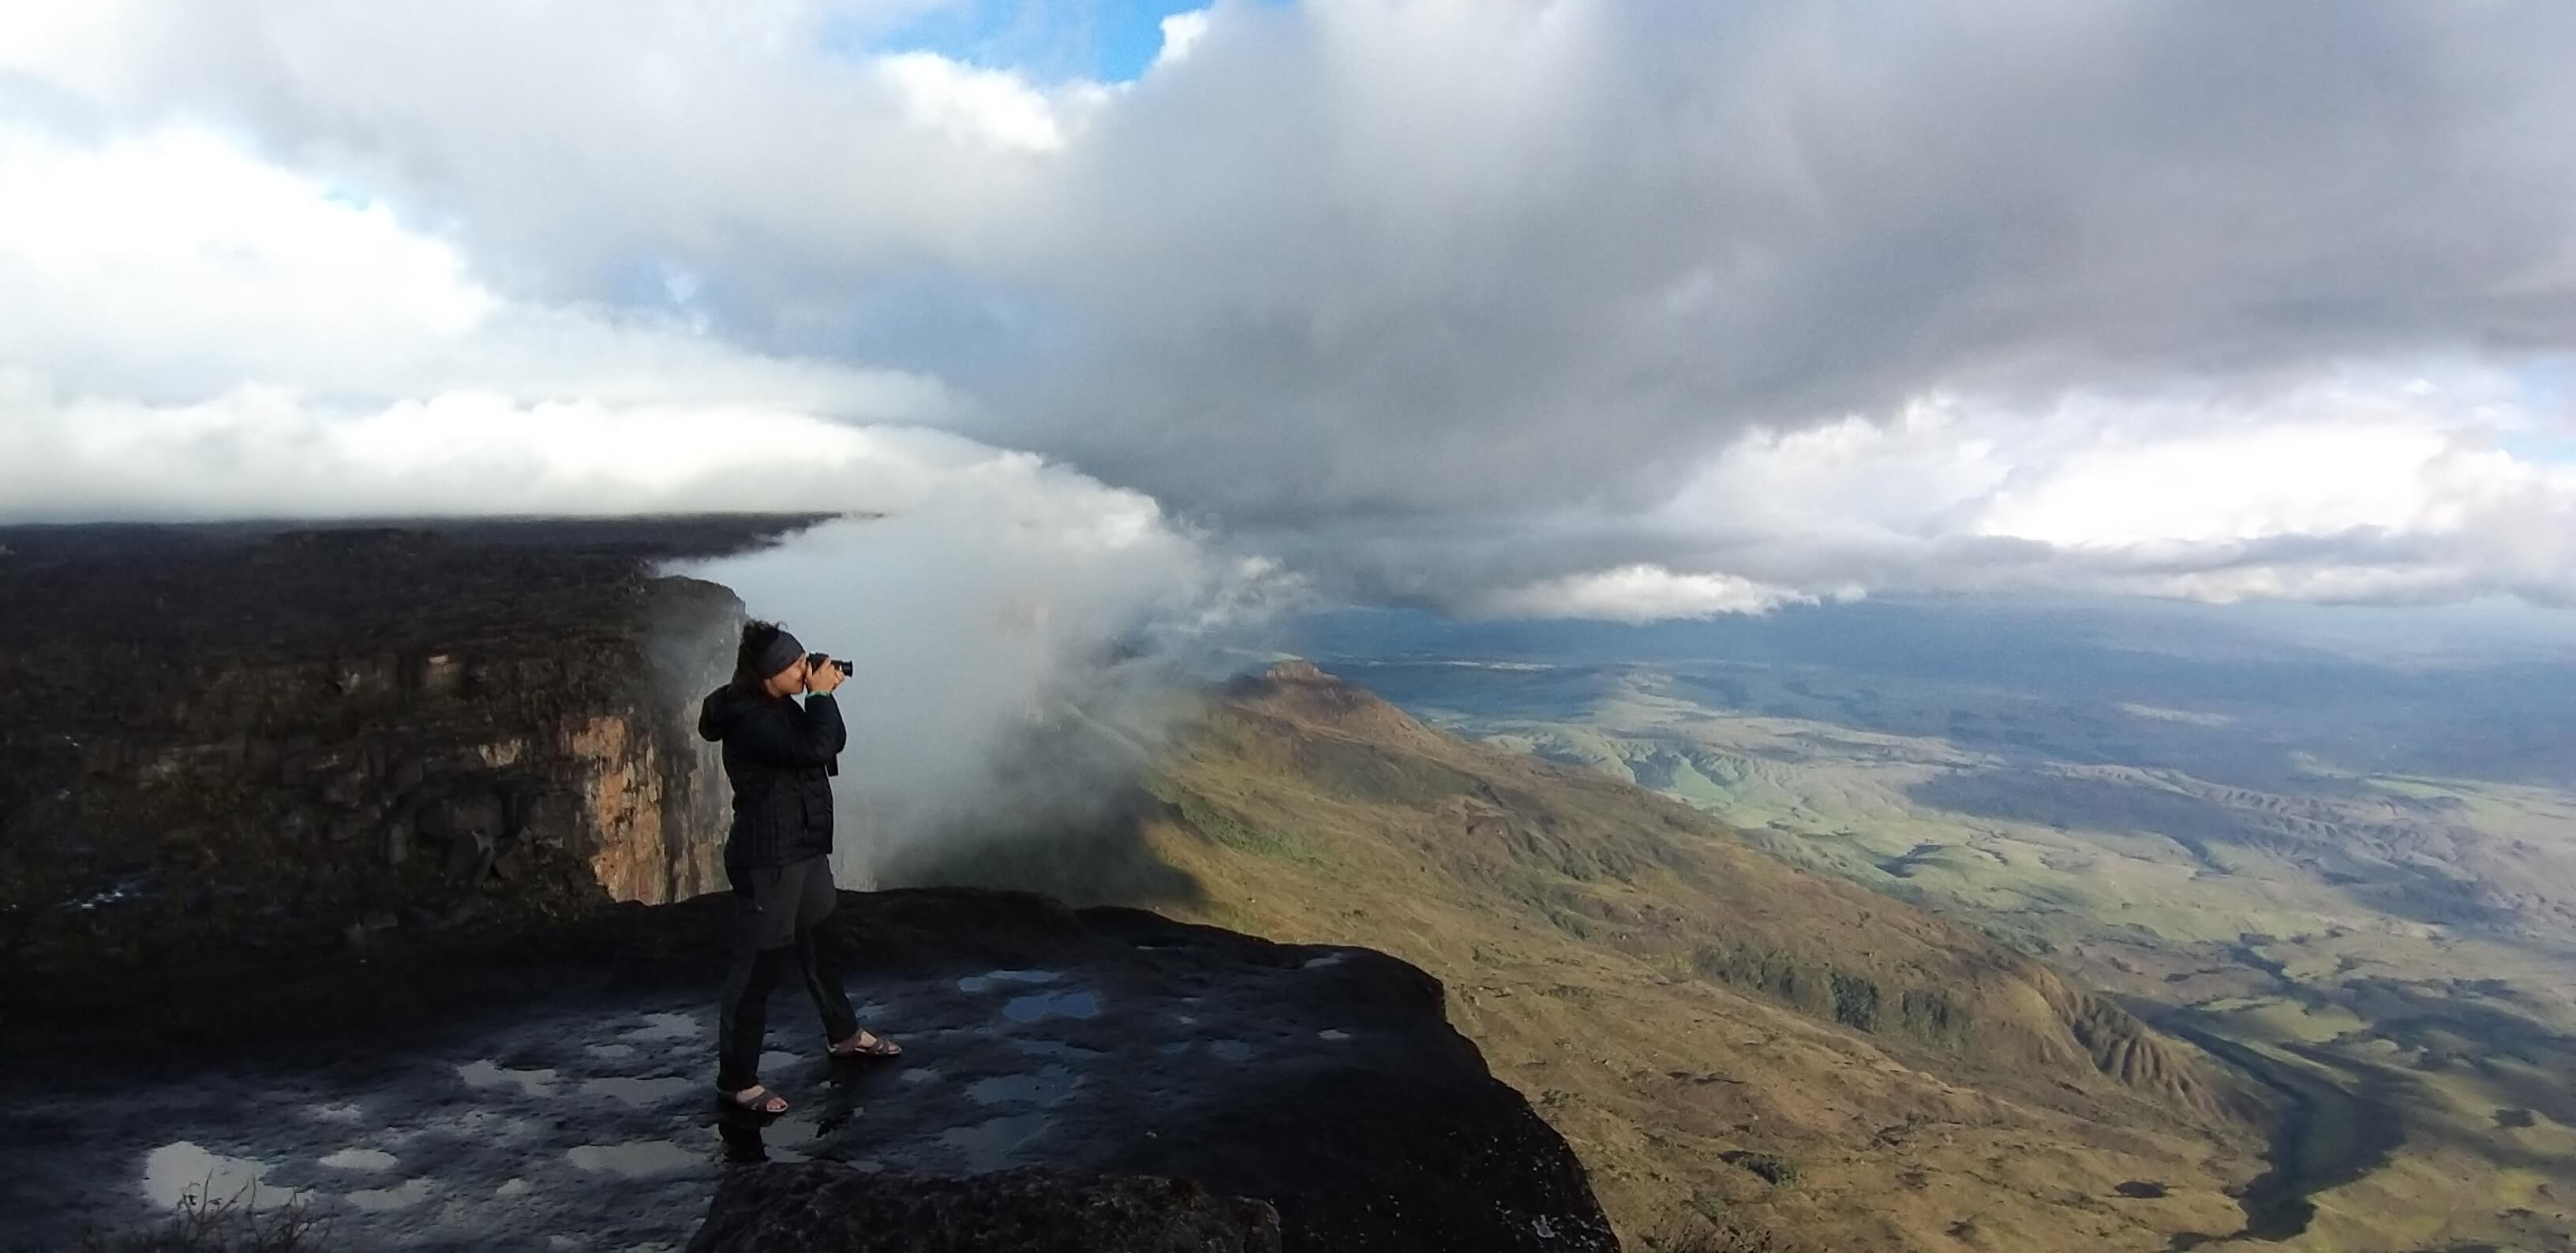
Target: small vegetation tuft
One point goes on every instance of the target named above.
(1724, 1237)
(1771, 1168)
(203, 1224)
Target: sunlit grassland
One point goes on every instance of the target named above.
(1650, 985)
(2420, 946)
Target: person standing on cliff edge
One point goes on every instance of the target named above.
(779, 757)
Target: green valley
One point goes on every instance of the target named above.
(2390, 953)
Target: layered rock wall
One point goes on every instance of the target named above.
(322, 737)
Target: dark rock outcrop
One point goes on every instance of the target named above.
(227, 738)
(1322, 1081)
(817, 1208)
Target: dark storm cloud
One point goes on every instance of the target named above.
(1452, 296)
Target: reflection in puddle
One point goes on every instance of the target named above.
(1056, 1048)
(1231, 1050)
(918, 1074)
(667, 1027)
(1051, 1084)
(345, 1111)
(360, 1159)
(511, 1187)
(977, 983)
(612, 1052)
(1333, 1033)
(1038, 1006)
(175, 1172)
(412, 1192)
(486, 1126)
(634, 1158)
(988, 1145)
(1324, 962)
(490, 1074)
(641, 1091)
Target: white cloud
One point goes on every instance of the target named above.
(985, 106)
(1628, 310)
(1180, 31)
(1637, 593)
(265, 451)
(2352, 485)
(170, 265)
(196, 333)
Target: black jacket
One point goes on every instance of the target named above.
(780, 760)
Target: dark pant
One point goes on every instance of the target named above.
(777, 911)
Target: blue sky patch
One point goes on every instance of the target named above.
(1110, 41)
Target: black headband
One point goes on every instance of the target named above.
(781, 653)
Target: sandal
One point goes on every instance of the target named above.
(756, 1099)
(867, 1044)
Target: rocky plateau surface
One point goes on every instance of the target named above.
(483, 1093)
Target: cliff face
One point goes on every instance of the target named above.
(319, 737)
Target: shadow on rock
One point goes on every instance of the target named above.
(818, 1207)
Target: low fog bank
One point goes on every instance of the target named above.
(1019, 642)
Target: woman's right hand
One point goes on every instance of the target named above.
(821, 678)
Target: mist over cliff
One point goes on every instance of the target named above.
(986, 625)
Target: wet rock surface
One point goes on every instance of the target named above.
(824, 1208)
(551, 1089)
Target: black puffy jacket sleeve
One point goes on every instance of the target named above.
(792, 739)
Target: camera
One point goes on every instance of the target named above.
(818, 659)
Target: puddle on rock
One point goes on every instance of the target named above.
(918, 1074)
(1050, 1085)
(1231, 1050)
(634, 1159)
(1332, 1033)
(668, 1027)
(987, 1146)
(376, 1200)
(641, 1092)
(491, 1074)
(1039, 1006)
(361, 1159)
(482, 1126)
(612, 1052)
(977, 983)
(1056, 1048)
(175, 1172)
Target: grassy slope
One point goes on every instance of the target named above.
(1673, 1000)
(2462, 1021)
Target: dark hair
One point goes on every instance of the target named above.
(756, 639)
